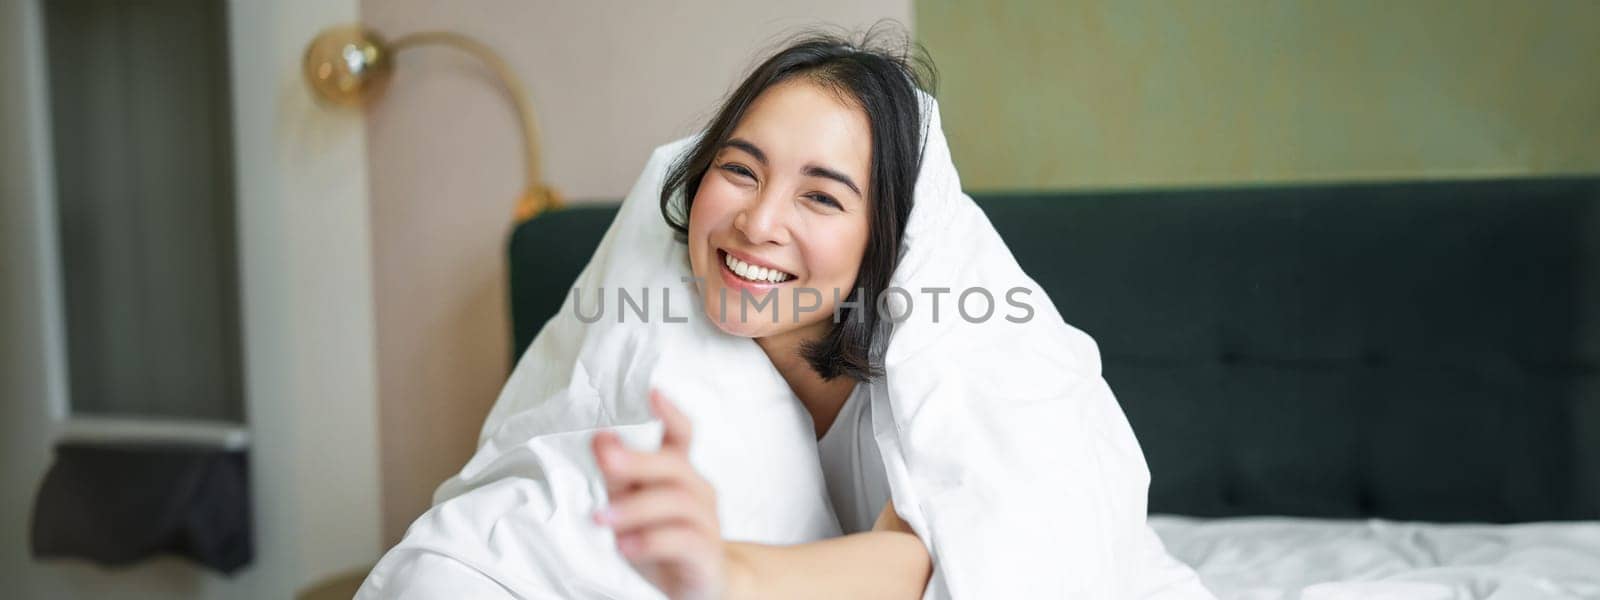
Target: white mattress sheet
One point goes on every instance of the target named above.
(1261, 558)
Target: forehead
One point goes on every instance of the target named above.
(797, 122)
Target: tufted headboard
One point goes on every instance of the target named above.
(1418, 351)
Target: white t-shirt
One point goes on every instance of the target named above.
(852, 466)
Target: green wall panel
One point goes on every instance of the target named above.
(1088, 94)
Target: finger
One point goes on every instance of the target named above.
(655, 507)
(677, 432)
(626, 468)
(665, 544)
(610, 455)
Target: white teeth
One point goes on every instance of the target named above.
(755, 273)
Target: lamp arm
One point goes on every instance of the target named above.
(538, 196)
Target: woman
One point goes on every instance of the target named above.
(802, 181)
(852, 436)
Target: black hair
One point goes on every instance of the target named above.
(880, 71)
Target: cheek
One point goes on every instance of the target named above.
(714, 203)
(712, 210)
(834, 257)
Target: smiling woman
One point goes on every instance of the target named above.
(807, 170)
(802, 182)
(793, 215)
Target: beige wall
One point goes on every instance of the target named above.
(1104, 93)
(610, 80)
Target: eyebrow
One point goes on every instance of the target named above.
(810, 170)
(824, 172)
(747, 147)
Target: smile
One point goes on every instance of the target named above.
(753, 273)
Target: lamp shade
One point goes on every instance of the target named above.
(348, 65)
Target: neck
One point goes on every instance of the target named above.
(822, 398)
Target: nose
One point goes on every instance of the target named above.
(765, 220)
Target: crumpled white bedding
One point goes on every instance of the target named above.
(1262, 558)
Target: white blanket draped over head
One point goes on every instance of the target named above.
(1004, 449)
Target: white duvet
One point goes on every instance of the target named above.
(1004, 448)
(1263, 558)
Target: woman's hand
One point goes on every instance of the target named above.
(664, 513)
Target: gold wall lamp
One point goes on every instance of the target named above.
(351, 65)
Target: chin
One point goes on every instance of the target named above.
(757, 326)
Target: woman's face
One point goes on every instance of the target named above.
(783, 211)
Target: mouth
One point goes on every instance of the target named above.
(753, 274)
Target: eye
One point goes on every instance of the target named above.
(737, 169)
(824, 199)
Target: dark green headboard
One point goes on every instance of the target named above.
(1425, 351)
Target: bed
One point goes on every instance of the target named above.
(1364, 390)
(1283, 558)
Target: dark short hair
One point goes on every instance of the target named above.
(880, 71)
